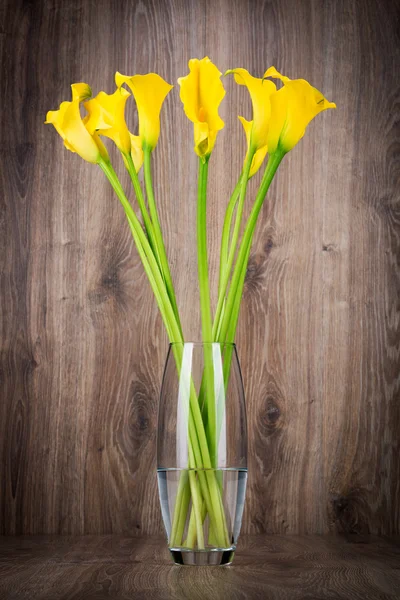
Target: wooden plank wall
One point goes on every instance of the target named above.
(82, 345)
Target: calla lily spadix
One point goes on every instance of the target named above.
(201, 94)
(292, 108)
(69, 124)
(149, 92)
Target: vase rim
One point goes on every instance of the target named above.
(228, 344)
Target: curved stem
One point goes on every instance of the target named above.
(146, 254)
(234, 316)
(230, 337)
(198, 448)
(205, 306)
(158, 233)
(226, 230)
(235, 236)
(142, 205)
(269, 173)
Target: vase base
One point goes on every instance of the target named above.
(202, 558)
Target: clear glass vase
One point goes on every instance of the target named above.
(202, 452)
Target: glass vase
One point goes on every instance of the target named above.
(202, 452)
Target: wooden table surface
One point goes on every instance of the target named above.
(292, 567)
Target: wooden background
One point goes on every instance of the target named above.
(82, 345)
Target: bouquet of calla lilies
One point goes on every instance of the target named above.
(280, 118)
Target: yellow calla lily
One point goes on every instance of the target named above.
(292, 109)
(106, 117)
(201, 94)
(260, 153)
(69, 124)
(149, 92)
(260, 93)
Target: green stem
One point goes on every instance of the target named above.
(230, 338)
(233, 320)
(205, 305)
(181, 506)
(158, 233)
(273, 164)
(197, 437)
(142, 205)
(231, 335)
(206, 320)
(191, 535)
(226, 230)
(239, 278)
(235, 235)
(226, 235)
(146, 255)
(225, 252)
(196, 501)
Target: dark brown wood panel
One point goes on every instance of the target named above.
(81, 343)
(278, 566)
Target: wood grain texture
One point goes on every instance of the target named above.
(82, 345)
(277, 567)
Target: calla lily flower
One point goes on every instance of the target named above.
(292, 109)
(149, 92)
(260, 93)
(201, 94)
(260, 153)
(69, 124)
(106, 117)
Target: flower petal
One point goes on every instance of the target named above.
(56, 118)
(106, 116)
(272, 72)
(68, 123)
(260, 92)
(77, 136)
(149, 92)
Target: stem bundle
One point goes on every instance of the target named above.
(201, 484)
